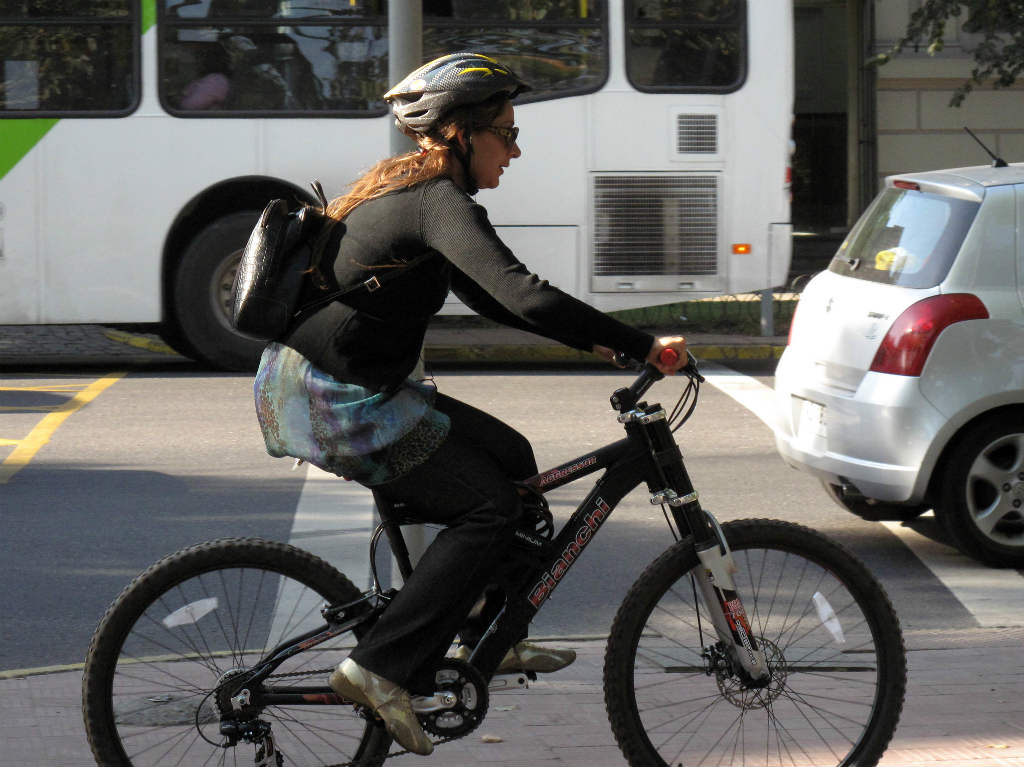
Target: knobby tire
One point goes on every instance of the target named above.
(196, 616)
(835, 695)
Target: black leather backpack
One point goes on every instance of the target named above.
(279, 275)
(279, 280)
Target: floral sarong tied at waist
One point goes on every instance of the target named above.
(346, 429)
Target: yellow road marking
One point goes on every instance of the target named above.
(138, 341)
(7, 442)
(27, 448)
(23, 672)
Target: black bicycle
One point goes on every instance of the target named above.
(755, 642)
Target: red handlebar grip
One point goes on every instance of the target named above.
(668, 357)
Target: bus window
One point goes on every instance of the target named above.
(238, 56)
(61, 57)
(560, 47)
(282, 57)
(697, 46)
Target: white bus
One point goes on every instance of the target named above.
(139, 140)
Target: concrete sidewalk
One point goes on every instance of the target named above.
(964, 707)
(42, 345)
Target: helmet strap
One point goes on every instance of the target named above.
(465, 157)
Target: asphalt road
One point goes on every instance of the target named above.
(157, 460)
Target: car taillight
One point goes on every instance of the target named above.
(907, 344)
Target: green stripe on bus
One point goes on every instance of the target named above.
(17, 137)
(148, 14)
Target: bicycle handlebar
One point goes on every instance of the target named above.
(625, 399)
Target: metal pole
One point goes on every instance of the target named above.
(405, 53)
(767, 307)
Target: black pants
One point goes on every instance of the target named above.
(466, 485)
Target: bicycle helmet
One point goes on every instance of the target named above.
(428, 94)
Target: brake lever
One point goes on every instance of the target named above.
(691, 368)
(624, 361)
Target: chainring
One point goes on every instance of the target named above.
(470, 689)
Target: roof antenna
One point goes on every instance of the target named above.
(997, 162)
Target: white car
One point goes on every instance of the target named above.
(902, 386)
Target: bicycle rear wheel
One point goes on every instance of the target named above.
(832, 641)
(189, 624)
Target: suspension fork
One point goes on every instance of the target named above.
(715, 581)
(670, 484)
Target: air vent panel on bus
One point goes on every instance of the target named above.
(655, 224)
(696, 134)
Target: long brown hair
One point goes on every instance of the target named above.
(433, 159)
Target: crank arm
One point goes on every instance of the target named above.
(439, 701)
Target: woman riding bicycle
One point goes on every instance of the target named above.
(336, 390)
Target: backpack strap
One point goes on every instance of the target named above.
(329, 227)
(371, 285)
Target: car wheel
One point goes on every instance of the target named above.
(202, 294)
(873, 511)
(981, 504)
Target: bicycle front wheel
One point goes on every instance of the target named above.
(830, 636)
(171, 643)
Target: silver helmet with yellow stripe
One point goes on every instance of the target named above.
(421, 101)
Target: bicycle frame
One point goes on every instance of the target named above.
(648, 454)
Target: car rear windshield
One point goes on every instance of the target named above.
(906, 238)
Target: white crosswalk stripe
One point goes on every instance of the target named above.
(993, 597)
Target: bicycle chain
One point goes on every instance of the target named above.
(325, 671)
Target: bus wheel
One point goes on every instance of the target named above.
(202, 294)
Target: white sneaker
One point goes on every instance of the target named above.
(386, 699)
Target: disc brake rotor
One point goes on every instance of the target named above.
(741, 696)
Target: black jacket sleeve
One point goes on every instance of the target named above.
(458, 228)
(483, 304)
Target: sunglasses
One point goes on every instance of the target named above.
(508, 135)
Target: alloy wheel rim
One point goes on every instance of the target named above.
(995, 491)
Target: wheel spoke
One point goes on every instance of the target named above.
(985, 470)
(988, 518)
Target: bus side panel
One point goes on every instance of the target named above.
(19, 253)
(638, 143)
(333, 150)
(114, 187)
(547, 185)
(760, 132)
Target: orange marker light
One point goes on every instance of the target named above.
(741, 248)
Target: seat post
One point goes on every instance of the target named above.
(393, 530)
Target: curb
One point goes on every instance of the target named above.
(546, 353)
(512, 353)
(99, 345)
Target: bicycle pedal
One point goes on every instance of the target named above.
(509, 682)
